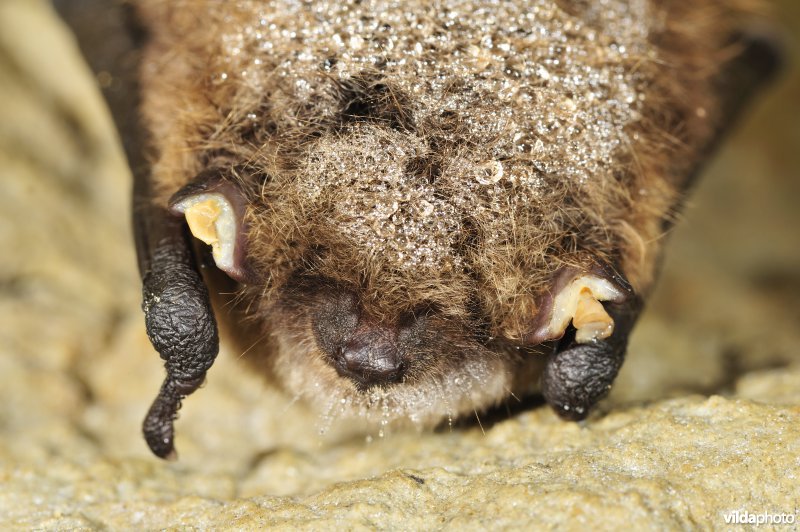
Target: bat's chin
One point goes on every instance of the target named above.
(453, 385)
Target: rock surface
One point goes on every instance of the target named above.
(704, 420)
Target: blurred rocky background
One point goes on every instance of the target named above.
(704, 419)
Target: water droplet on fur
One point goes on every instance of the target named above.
(546, 91)
(490, 173)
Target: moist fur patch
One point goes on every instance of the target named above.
(453, 153)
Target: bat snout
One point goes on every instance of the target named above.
(369, 351)
(370, 358)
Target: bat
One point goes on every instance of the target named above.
(411, 211)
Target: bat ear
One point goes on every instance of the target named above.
(215, 208)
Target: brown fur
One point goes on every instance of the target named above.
(277, 143)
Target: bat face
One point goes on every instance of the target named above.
(424, 206)
(400, 190)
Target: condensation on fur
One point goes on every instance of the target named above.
(445, 153)
(473, 384)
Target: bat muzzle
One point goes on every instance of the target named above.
(370, 358)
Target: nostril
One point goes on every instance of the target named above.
(338, 354)
(337, 358)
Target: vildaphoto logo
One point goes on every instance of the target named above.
(743, 517)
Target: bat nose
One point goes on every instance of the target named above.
(370, 358)
(367, 351)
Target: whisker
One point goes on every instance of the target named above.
(251, 347)
(291, 403)
(479, 421)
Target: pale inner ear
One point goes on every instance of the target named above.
(212, 219)
(579, 302)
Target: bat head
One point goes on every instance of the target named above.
(422, 207)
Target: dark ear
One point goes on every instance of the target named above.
(178, 315)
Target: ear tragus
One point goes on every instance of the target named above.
(214, 209)
(575, 297)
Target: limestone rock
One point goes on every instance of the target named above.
(704, 420)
